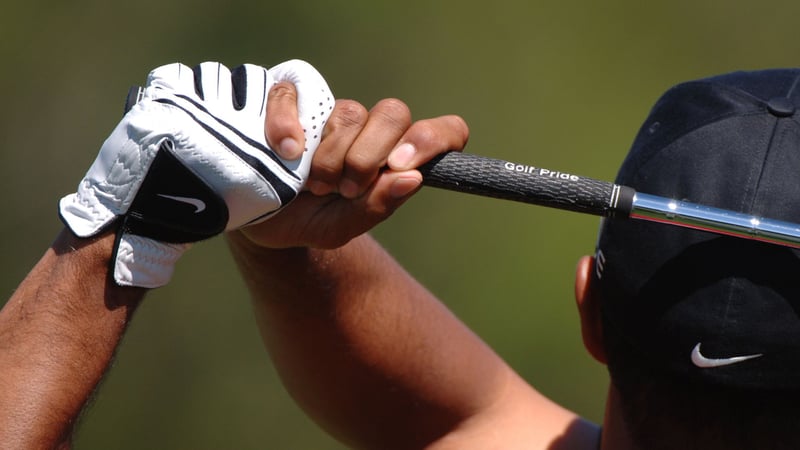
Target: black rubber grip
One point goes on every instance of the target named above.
(496, 178)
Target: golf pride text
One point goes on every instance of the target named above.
(541, 172)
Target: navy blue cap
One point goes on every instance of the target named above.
(706, 307)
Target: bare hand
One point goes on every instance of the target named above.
(363, 170)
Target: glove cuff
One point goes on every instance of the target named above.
(143, 262)
(83, 213)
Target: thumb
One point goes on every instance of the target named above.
(282, 126)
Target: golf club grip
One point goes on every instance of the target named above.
(473, 174)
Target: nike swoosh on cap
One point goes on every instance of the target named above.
(199, 205)
(704, 363)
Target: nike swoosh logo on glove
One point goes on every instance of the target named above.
(703, 362)
(198, 204)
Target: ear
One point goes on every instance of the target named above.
(589, 309)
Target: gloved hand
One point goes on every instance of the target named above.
(190, 160)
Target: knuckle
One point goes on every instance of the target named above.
(460, 125)
(358, 163)
(283, 91)
(324, 169)
(348, 114)
(446, 131)
(425, 132)
(282, 124)
(394, 111)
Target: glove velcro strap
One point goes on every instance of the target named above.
(173, 204)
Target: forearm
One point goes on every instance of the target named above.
(58, 334)
(364, 349)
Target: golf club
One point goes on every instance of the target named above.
(473, 174)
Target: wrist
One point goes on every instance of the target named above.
(245, 247)
(295, 266)
(95, 251)
(277, 271)
(80, 259)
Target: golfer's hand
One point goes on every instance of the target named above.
(363, 170)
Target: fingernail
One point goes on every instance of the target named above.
(404, 186)
(289, 148)
(348, 189)
(400, 158)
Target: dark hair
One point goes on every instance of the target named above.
(663, 411)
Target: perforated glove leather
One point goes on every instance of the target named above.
(190, 160)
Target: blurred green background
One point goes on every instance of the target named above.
(562, 84)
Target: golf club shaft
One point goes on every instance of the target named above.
(497, 178)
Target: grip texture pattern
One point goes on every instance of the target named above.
(496, 178)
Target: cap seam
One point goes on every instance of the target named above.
(791, 89)
(644, 160)
(723, 329)
(731, 89)
(751, 203)
(789, 94)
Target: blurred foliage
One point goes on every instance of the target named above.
(557, 84)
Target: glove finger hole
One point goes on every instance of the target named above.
(239, 83)
(198, 81)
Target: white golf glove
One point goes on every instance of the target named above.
(190, 160)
